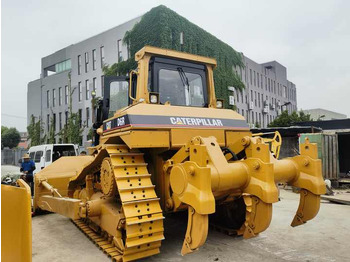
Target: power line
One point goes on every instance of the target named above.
(14, 116)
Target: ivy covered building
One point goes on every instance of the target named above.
(257, 91)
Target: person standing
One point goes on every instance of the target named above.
(27, 167)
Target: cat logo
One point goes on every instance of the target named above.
(194, 121)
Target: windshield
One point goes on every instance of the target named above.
(181, 88)
(118, 96)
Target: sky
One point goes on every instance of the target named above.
(311, 38)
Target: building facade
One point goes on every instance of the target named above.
(78, 68)
(318, 114)
(267, 92)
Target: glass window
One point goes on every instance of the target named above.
(181, 88)
(38, 156)
(54, 97)
(80, 92)
(87, 116)
(60, 120)
(48, 122)
(79, 64)
(87, 85)
(66, 115)
(94, 59)
(31, 155)
(61, 150)
(80, 117)
(94, 84)
(118, 96)
(54, 122)
(60, 96)
(102, 53)
(48, 98)
(102, 85)
(66, 95)
(86, 62)
(48, 155)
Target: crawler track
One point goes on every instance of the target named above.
(142, 228)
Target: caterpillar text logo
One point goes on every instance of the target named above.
(194, 121)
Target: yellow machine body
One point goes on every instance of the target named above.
(16, 223)
(152, 159)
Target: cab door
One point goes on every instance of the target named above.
(115, 95)
(48, 155)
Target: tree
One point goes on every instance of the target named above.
(73, 129)
(35, 131)
(10, 137)
(162, 27)
(285, 120)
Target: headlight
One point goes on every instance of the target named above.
(219, 103)
(154, 98)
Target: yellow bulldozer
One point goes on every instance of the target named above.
(164, 143)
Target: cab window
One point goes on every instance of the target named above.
(38, 156)
(31, 155)
(48, 155)
(118, 96)
(181, 88)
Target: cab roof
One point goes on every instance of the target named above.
(151, 50)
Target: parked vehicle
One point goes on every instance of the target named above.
(44, 155)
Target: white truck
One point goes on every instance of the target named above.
(44, 155)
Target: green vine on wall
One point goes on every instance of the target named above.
(161, 27)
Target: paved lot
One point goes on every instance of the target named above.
(326, 238)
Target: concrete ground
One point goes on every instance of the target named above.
(325, 238)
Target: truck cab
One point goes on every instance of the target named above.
(44, 155)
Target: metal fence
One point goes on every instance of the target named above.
(12, 156)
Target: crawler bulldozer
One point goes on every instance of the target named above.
(164, 143)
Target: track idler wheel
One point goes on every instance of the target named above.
(108, 184)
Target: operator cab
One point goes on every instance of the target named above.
(178, 83)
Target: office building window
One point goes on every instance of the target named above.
(60, 96)
(102, 53)
(251, 95)
(54, 122)
(66, 116)
(66, 95)
(80, 117)
(94, 84)
(255, 98)
(102, 85)
(259, 99)
(258, 80)
(86, 62)
(87, 116)
(242, 112)
(265, 83)
(48, 98)
(48, 123)
(80, 92)
(251, 77)
(261, 82)
(237, 97)
(60, 121)
(119, 50)
(254, 78)
(79, 64)
(87, 86)
(94, 59)
(53, 97)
